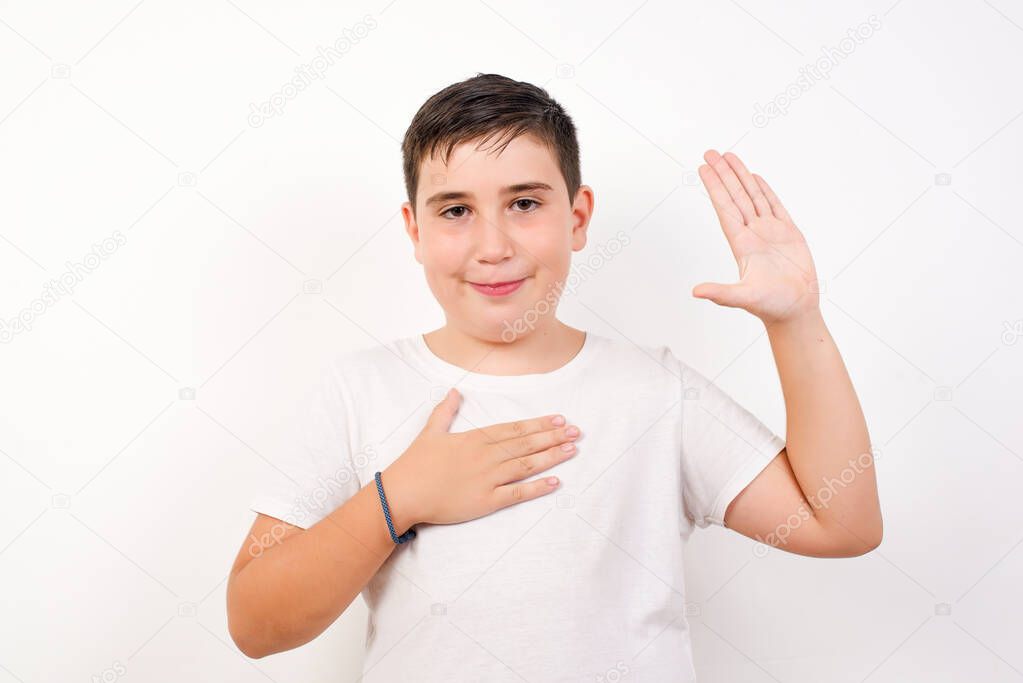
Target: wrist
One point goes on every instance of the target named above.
(810, 321)
(399, 503)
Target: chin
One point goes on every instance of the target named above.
(493, 327)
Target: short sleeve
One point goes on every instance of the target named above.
(724, 448)
(318, 475)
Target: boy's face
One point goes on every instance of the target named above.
(486, 218)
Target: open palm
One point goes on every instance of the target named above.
(777, 278)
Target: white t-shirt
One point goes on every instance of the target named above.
(582, 584)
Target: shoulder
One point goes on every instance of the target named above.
(354, 360)
(386, 361)
(643, 360)
(372, 355)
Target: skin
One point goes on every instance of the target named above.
(289, 584)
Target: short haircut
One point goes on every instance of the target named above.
(481, 107)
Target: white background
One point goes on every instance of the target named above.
(123, 504)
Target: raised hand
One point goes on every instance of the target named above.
(777, 278)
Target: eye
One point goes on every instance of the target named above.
(444, 213)
(532, 204)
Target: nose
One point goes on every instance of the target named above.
(494, 244)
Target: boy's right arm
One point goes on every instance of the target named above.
(288, 585)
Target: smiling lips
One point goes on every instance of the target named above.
(497, 288)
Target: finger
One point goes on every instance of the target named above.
(517, 428)
(534, 443)
(509, 494)
(728, 213)
(734, 295)
(517, 469)
(749, 183)
(734, 187)
(776, 205)
(443, 413)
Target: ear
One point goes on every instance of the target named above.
(582, 212)
(411, 227)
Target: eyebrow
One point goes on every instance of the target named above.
(511, 189)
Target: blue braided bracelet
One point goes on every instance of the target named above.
(408, 535)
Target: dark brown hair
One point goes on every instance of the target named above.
(483, 106)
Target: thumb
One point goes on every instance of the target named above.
(443, 413)
(722, 295)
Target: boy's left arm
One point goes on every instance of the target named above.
(819, 495)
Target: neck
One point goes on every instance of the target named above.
(541, 350)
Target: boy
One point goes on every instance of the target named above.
(530, 525)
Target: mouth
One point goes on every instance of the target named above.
(497, 288)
